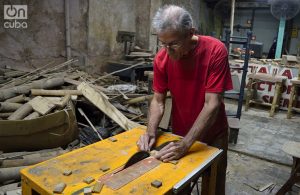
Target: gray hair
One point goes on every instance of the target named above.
(172, 17)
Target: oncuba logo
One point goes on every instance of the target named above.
(14, 16)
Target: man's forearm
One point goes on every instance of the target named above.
(204, 121)
(155, 115)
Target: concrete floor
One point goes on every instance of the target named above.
(263, 137)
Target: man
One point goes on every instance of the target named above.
(195, 69)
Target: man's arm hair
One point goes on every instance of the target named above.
(155, 112)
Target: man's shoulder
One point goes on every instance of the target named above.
(215, 46)
(213, 42)
(161, 57)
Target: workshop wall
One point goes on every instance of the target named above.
(43, 40)
(265, 26)
(295, 38)
(94, 26)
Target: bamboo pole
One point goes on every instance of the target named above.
(30, 159)
(5, 114)
(122, 70)
(32, 116)
(13, 173)
(142, 99)
(24, 89)
(21, 113)
(9, 107)
(42, 92)
(15, 73)
(18, 99)
(42, 73)
(25, 75)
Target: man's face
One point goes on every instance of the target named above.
(175, 43)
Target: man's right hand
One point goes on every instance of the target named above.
(146, 142)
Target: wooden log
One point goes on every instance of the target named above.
(25, 89)
(32, 116)
(21, 113)
(9, 107)
(106, 107)
(13, 173)
(5, 114)
(42, 92)
(18, 99)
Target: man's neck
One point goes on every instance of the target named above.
(192, 44)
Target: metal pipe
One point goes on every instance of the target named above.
(231, 22)
(67, 25)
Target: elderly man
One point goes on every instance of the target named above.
(195, 69)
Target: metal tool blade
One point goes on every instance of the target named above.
(136, 158)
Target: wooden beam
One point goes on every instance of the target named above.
(99, 100)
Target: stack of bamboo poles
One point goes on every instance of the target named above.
(20, 96)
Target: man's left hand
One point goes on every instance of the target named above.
(172, 151)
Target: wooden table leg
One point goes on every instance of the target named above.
(294, 178)
(209, 180)
(249, 94)
(289, 113)
(276, 98)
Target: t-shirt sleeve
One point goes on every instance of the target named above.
(160, 79)
(219, 77)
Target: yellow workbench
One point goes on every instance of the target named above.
(86, 162)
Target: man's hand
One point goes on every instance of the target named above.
(172, 151)
(146, 142)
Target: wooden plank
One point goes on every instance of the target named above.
(131, 173)
(41, 105)
(99, 100)
(165, 121)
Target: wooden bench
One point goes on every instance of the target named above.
(293, 149)
(254, 79)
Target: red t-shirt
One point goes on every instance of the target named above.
(204, 69)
